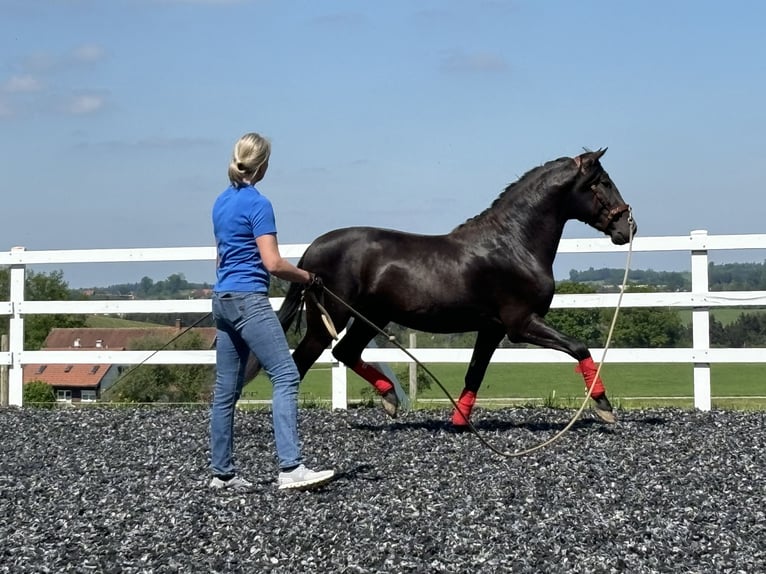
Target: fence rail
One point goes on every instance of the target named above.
(700, 300)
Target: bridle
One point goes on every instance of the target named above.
(607, 214)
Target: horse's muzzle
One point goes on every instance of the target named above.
(623, 228)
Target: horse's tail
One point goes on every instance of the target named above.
(290, 308)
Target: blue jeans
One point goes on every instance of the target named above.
(246, 322)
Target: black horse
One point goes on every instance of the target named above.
(493, 274)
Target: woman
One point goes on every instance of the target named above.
(246, 240)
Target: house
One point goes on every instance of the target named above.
(85, 382)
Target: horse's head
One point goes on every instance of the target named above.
(598, 202)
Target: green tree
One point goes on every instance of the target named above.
(40, 287)
(164, 383)
(38, 394)
(649, 327)
(175, 283)
(737, 276)
(747, 330)
(144, 287)
(585, 325)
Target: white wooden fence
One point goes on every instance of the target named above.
(698, 244)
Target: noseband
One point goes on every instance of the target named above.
(611, 213)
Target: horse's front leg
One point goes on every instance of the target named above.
(538, 332)
(487, 341)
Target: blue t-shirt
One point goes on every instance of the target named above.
(239, 216)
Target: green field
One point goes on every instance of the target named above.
(628, 385)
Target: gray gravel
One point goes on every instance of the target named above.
(125, 490)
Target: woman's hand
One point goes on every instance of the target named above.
(315, 282)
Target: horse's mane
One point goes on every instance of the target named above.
(550, 174)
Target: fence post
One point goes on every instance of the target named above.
(339, 381)
(413, 373)
(700, 321)
(3, 372)
(16, 333)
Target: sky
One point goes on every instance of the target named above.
(118, 117)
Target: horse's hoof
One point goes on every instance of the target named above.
(390, 403)
(459, 419)
(603, 409)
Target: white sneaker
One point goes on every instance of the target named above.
(235, 482)
(302, 478)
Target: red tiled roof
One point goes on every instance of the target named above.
(80, 376)
(90, 375)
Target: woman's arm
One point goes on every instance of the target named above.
(276, 265)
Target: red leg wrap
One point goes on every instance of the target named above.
(589, 369)
(465, 404)
(373, 376)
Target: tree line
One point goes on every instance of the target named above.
(174, 286)
(652, 327)
(721, 277)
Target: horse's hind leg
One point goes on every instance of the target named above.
(316, 340)
(349, 352)
(487, 341)
(538, 332)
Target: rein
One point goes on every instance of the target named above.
(507, 454)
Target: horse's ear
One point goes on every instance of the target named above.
(586, 160)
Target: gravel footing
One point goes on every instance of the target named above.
(125, 490)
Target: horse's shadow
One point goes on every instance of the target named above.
(499, 426)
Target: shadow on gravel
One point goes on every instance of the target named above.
(486, 425)
(536, 426)
(360, 472)
(497, 425)
(655, 421)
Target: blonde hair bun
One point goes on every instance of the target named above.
(251, 151)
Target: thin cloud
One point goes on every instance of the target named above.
(44, 84)
(39, 62)
(88, 53)
(47, 103)
(22, 84)
(48, 63)
(84, 104)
